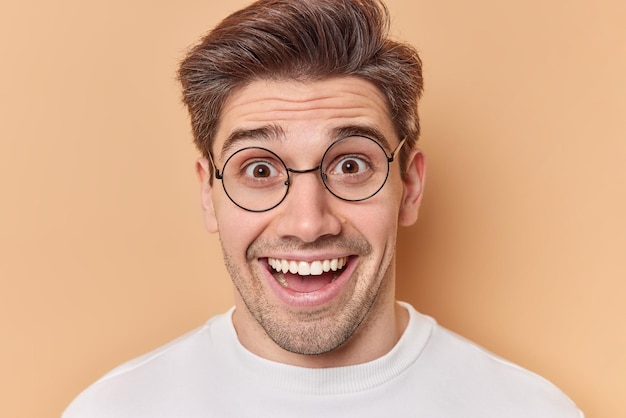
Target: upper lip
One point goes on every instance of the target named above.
(307, 258)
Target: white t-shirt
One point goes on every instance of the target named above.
(430, 373)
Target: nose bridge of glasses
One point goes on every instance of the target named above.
(308, 170)
(304, 171)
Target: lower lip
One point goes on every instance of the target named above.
(312, 299)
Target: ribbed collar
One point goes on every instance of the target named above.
(325, 381)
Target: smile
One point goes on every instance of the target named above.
(304, 268)
(305, 276)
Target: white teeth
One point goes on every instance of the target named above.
(304, 268)
(316, 268)
(334, 264)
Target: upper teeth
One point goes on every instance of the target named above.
(305, 268)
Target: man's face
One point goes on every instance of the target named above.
(311, 229)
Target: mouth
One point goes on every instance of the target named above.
(306, 276)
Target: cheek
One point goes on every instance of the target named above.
(377, 222)
(385, 207)
(238, 229)
(381, 224)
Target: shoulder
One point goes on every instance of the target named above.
(148, 382)
(475, 379)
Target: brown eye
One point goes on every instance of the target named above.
(260, 170)
(349, 167)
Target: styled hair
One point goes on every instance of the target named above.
(304, 40)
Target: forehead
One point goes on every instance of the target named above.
(304, 112)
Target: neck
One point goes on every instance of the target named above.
(375, 337)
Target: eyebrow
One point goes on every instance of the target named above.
(362, 130)
(274, 132)
(271, 132)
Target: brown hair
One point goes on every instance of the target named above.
(301, 40)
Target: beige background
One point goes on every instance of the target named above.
(520, 244)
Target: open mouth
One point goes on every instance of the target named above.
(306, 277)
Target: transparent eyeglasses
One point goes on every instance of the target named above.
(353, 169)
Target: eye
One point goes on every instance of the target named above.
(260, 170)
(350, 165)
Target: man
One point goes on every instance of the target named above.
(306, 117)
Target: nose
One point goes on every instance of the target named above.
(306, 212)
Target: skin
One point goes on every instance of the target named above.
(356, 318)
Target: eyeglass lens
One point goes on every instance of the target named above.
(353, 168)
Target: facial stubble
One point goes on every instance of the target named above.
(314, 331)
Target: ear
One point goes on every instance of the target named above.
(413, 182)
(203, 170)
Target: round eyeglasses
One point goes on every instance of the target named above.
(353, 169)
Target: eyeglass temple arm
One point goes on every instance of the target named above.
(396, 149)
(218, 175)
